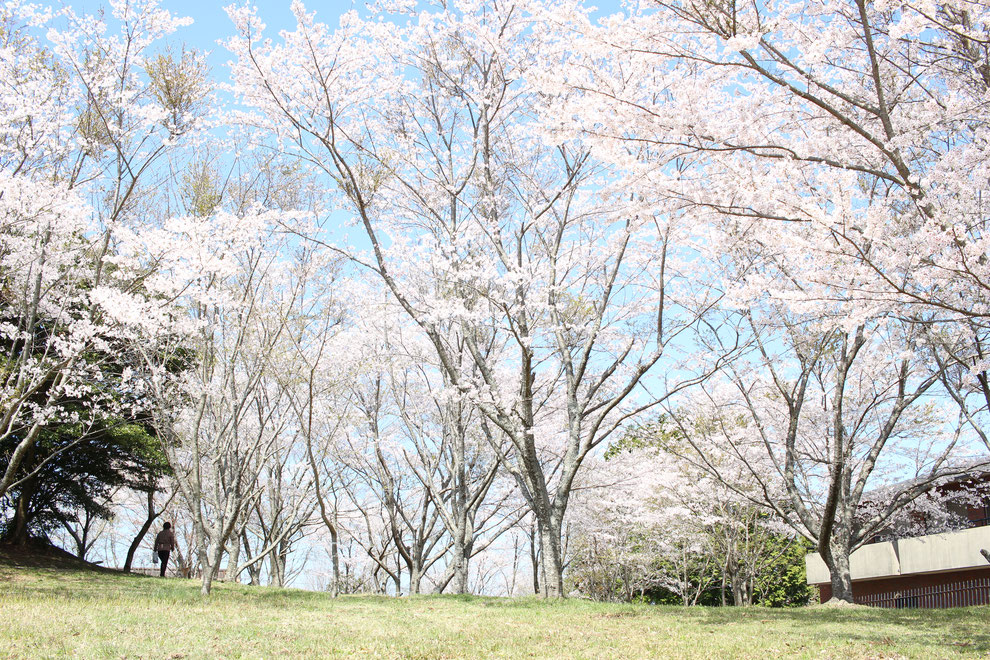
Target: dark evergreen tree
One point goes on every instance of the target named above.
(71, 473)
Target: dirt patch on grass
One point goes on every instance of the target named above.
(836, 604)
(618, 615)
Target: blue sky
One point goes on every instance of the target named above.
(210, 22)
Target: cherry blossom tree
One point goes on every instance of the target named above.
(413, 521)
(478, 215)
(841, 145)
(83, 126)
(225, 413)
(829, 415)
(860, 125)
(315, 368)
(648, 519)
(446, 443)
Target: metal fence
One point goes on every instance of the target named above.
(956, 594)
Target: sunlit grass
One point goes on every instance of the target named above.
(47, 613)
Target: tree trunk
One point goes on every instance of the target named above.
(335, 558)
(277, 564)
(415, 577)
(553, 569)
(210, 565)
(207, 584)
(534, 558)
(19, 529)
(462, 559)
(741, 595)
(233, 558)
(81, 538)
(685, 597)
(139, 537)
(515, 564)
(841, 578)
(725, 573)
(833, 547)
(254, 570)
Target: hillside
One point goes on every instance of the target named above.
(61, 608)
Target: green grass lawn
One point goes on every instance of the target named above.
(50, 612)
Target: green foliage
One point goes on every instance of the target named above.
(86, 452)
(710, 597)
(201, 189)
(784, 582)
(766, 565)
(78, 468)
(660, 434)
(179, 86)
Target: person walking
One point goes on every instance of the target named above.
(164, 544)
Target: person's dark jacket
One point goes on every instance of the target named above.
(165, 541)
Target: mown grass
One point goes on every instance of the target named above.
(54, 613)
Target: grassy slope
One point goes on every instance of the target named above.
(63, 611)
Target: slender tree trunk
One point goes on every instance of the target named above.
(398, 576)
(725, 573)
(515, 563)
(82, 538)
(139, 537)
(685, 598)
(254, 570)
(534, 558)
(275, 568)
(335, 558)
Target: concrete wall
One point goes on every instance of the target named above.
(945, 552)
(923, 554)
